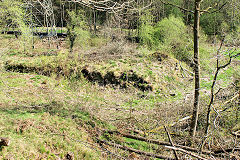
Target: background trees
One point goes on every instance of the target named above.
(225, 17)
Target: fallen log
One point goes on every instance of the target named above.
(170, 125)
(40, 34)
(159, 142)
(135, 150)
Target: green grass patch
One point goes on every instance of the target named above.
(139, 145)
(40, 135)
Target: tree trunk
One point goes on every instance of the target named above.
(196, 69)
(94, 21)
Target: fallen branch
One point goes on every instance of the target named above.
(184, 69)
(90, 145)
(186, 152)
(135, 150)
(226, 150)
(170, 140)
(229, 101)
(158, 142)
(170, 125)
(214, 153)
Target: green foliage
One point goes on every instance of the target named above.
(233, 38)
(146, 30)
(168, 34)
(77, 28)
(76, 19)
(172, 10)
(170, 29)
(12, 14)
(211, 23)
(172, 32)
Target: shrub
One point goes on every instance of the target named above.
(146, 31)
(168, 34)
(12, 12)
(169, 30)
(77, 28)
(172, 32)
(233, 38)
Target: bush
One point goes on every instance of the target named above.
(146, 31)
(169, 30)
(77, 29)
(13, 12)
(233, 38)
(168, 34)
(172, 32)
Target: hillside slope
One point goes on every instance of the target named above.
(53, 105)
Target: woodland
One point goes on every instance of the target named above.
(119, 79)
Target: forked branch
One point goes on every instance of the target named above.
(232, 55)
(110, 6)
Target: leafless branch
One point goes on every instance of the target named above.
(232, 55)
(111, 6)
(174, 5)
(220, 8)
(237, 133)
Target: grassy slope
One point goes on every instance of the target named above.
(41, 102)
(30, 97)
(39, 136)
(39, 125)
(36, 118)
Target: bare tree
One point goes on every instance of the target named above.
(111, 6)
(196, 68)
